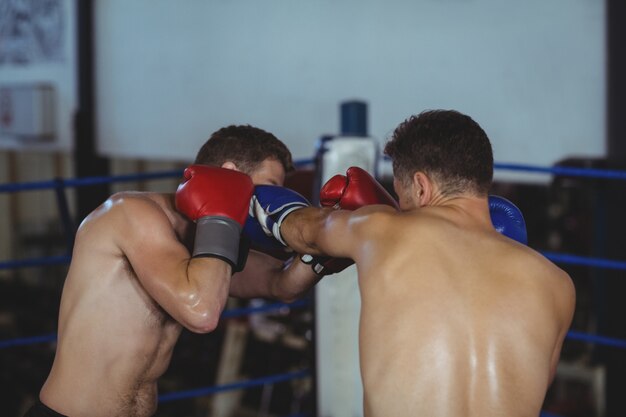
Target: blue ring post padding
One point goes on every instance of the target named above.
(354, 118)
(198, 392)
(300, 163)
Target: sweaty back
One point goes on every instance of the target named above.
(451, 290)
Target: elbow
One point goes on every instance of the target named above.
(202, 327)
(288, 297)
(202, 320)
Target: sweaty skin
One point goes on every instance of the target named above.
(129, 291)
(456, 319)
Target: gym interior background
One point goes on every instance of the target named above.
(116, 87)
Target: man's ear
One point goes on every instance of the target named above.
(230, 165)
(423, 188)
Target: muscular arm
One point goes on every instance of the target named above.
(337, 233)
(191, 290)
(268, 277)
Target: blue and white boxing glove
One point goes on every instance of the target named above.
(507, 219)
(269, 206)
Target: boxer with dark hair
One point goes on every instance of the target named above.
(146, 265)
(458, 316)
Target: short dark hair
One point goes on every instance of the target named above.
(446, 145)
(244, 145)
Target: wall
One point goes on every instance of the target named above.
(532, 73)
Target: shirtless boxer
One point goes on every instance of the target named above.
(133, 284)
(456, 318)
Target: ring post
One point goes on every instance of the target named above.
(337, 302)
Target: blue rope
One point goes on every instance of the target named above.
(28, 340)
(572, 172)
(599, 340)
(198, 392)
(245, 311)
(226, 314)
(584, 261)
(89, 181)
(22, 263)
(237, 312)
(555, 257)
(546, 414)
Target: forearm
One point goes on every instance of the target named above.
(197, 294)
(302, 229)
(293, 282)
(255, 281)
(267, 277)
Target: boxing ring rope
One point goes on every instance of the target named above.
(226, 314)
(90, 181)
(203, 391)
(199, 392)
(565, 171)
(86, 181)
(573, 335)
(43, 261)
(59, 185)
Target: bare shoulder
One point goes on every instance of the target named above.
(120, 212)
(563, 286)
(128, 202)
(342, 232)
(551, 276)
(373, 217)
(551, 271)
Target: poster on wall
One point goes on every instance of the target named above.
(31, 32)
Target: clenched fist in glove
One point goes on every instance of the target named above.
(348, 192)
(217, 200)
(507, 219)
(269, 206)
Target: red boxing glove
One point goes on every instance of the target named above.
(217, 199)
(354, 190)
(214, 191)
(348, 192)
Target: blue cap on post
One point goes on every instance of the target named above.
(354, 118)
